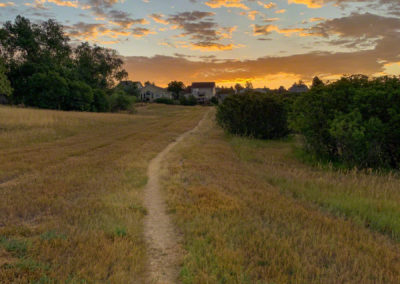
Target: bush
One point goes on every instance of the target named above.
(188, 101)
(214, 100)
(121, 101)
(100, 101)
(257, 115)
(164, 101)
(79, 97)
(47, 90)
(354, 121)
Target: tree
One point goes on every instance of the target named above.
(97, 66)
(249, 85)
(238, 87)
(354, 121)
(316, 82)
(5, 86)
(176, 87)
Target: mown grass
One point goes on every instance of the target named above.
(250, 212)
(70, 191)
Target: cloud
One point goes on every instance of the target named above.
(212, 46)
(280, 11)
(391, 6)
(226, 3)
(269, 5)
(159, 18)
(99, 32)
(317, 19)
(203, 32)
(267, 29)
(7, 4)
(355, 28)
(141, 32)
(123, 19)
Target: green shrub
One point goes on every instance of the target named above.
(164, 101)
(188, 101)
(119, 100)
(214, 100)
(100, 101)
(257, 115)
(354, 121)
(79, 97)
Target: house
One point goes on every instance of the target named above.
(129, 84)
(203, 91)
(298, 88)
(151, 92)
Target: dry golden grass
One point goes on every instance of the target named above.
(70, 191)
(251, 213)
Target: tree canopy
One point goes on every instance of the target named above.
(45, 71)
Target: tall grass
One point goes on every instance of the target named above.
(251, 213)
(70, 185)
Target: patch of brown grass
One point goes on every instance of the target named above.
(70, 187)
(234, 201)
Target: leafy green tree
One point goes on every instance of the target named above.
(5, 86)
(47, 90)
(45, 71)
(79, 97)
(238, 87)
(249, 85)
(354, 121)
(176, 87)
(100, 101)
(316, 82)
(97, 66)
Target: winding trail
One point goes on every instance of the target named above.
(164, 250)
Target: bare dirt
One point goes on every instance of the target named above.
(163, 243)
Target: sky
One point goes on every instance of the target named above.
(270, 43)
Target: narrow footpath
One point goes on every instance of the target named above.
(162, 242)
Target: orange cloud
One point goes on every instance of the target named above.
(309, 3)
(269, 5)
(267, 29)
(280, 11)
(213, 46)
(73, 4)
(226, 3)
(317, 19)
(7, 4)
(158, 18)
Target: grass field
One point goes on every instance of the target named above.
(70, 191)
(250, 212)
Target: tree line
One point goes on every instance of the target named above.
(40, 67)
(354, 121)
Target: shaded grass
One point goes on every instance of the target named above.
(70, 187)
(240, 206)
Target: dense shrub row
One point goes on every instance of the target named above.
(354, 120)
(257, 115)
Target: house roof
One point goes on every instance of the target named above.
(203, 85)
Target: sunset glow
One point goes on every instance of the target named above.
(270, 43)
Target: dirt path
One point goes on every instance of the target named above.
(158, 229)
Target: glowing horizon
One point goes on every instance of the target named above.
(270, 43)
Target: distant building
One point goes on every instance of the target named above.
(203, 91)
(298, 88)
(129, 84)
(262, 90)
(151, 92)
